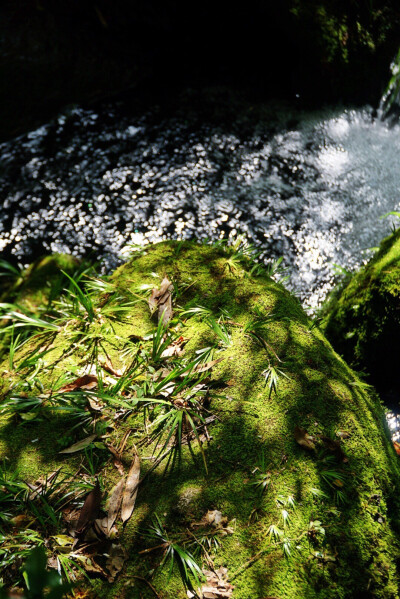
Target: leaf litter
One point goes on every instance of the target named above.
(85, 382)
(79, 445)
(303, 438)
(217, 585)
(89, 509)
(160, 301)
(309, 442)
(131, 489)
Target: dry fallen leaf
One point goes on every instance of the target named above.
(117, 459)
(113, 504)
(95, 404)
(343, 434)
(160, 301)
(335, 448)
(131, 489)
(89, 509)
(215, 519)
(172, 351)
(79, 445)
(115, 561)
(88, 563)
(22, 521)
(303, 438)
(39, 486)
(52, 563)
(207, 366)
(87, 381)
(175, 350)
(108, 367)
(216, 585)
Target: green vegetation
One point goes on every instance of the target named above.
(251, 446)
(362, 319)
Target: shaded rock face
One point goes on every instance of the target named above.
(295, 445)
(362, 320)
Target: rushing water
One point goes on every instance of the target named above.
(312, 191)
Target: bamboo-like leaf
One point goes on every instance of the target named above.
(79, 445)
(131, 489)
(114, 504)
(90, 508)
(87, 381)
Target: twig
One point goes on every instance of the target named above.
(208, 557)
(265, 344)
(148, 584)
(250, 562)
(162, 546)
(124, 440)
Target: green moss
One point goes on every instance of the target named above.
(319, 393)
(40, 282)
(362, 319)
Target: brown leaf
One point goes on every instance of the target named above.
(52, 562)
(343, 434)
(22, 521)
(79, 445)
(215, 519)
(95, 404)
(117, 459)
(335, 448)
(40, 485)
(396, 446)
(115, 561)
(87, 381)
(175, 349)
(131, 489)
(303, 438)
(207, 366)
(108, 367)
(172, 351)
(89, 509)
(89, 563)
(160, 301)
(114, 503)
(217, 585)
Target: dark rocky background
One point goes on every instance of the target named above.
(58, 53)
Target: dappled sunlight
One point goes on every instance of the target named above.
(295, 444)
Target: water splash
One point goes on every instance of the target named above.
(312, 192)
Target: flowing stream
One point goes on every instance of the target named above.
(311, 187)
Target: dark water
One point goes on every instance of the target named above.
(310, 187)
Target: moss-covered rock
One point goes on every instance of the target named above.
(35, 288)
(38, 284)
(346, 481)
(362, 319)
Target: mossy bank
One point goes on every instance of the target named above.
(295, 456)
(362, 319)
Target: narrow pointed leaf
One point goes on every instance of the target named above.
(131, 489)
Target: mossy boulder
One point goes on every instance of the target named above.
(35, 287)
(40, 283)
(362, 319)
(312, 517)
